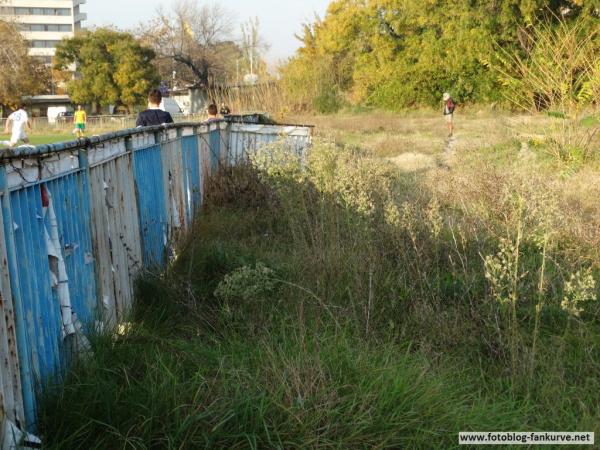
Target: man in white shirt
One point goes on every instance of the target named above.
(19, 120)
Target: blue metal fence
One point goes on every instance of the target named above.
(71, 198)
(151, 196)
(80, 220)
(192, 176)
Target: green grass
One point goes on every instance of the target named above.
(284, 392)
(203, 378)
(39, 139)
(591, 121)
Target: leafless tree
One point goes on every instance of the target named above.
(194, 41)
(253, 47)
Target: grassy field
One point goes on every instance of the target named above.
(39, 139)
(64, 134)
(396, 290)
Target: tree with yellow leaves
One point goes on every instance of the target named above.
(21, 75)
(399, 53)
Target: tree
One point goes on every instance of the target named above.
(321, 72)
(561, 73)
(399, 53)
(114, 68)
(195, 40)
(21, 75)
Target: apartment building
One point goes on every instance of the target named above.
(44, 22)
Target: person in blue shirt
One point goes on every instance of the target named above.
(153, 115)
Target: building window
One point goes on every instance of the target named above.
(59, 11)
(43, 44)
(46, 27)
(37, 11)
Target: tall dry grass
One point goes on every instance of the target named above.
(263, 97)
(559, 73)
(345, 304)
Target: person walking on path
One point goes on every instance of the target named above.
(449, 107)
(153, 115)
(19, 120)
(80, 118)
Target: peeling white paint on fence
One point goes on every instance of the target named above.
(80, 220)
(11, 403)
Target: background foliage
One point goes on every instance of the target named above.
(400, 53)
(113, 68)
(21, 74)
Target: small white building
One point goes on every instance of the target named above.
(191, 100)
(44, 23)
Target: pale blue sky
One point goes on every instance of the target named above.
(279, 19)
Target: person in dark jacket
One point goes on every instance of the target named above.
(225, 111)
(153, 115)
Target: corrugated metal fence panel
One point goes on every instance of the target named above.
(106, 152)
(118, 206)
(11, 401)
(144, 140)
(38, 316)
(204, 156)
(154, 219)
(127, 245)
(245, 139)
(71, 201)
(26, 171)
(102, 241)
(173, 180)
(23, 345)
(224, 143)
(243, 144)
(191, 176)
(214, 142)
(117, 243)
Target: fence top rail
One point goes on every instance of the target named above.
(25, 151)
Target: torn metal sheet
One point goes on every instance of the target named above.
(57, 266)
(13, 438)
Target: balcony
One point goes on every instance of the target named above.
(46, 35)
(42, 51)
(43, 3)
(48, 20)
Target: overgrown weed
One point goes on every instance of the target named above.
(343, 304)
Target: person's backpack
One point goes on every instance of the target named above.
(450, 105)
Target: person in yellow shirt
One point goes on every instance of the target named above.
(80, 122)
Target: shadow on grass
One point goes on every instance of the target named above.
(362, 335)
